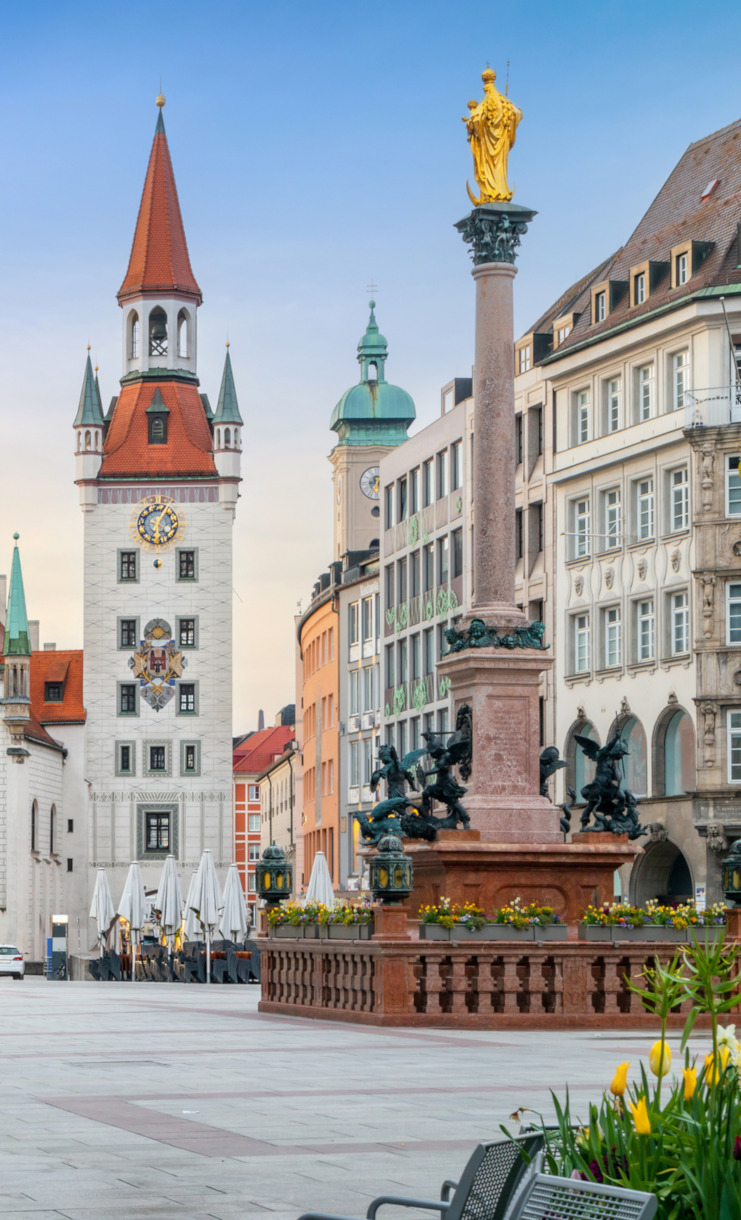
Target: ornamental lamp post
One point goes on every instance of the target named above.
(274, 876)
(391, 872)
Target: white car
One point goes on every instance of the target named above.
(11, 961)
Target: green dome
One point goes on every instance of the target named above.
(373, 412)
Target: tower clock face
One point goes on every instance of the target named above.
(156, 523)
(370, 482)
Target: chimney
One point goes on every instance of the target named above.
(50, 648)
(33, 632)
(260, 720)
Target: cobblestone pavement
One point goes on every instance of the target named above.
(127, 1100)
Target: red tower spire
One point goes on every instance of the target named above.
(159, 260)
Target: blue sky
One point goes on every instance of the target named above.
(315, 146)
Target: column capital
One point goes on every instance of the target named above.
(493, 231)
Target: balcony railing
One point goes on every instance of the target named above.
(710, 408)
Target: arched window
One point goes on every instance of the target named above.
(579, 768)
(372, 372)
(52, 830)
(158, 332)
(87, 440)
(134, 340)
(218, 438)
(183, 334)
(227, 438)
(635, 762)
(674, 754)
(158, 429)
(34, 824)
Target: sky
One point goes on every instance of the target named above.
(317, 147)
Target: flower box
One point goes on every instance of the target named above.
(595, 931)
(347, 931)
(552, 931)
(288, 930)
(491, 931)
(651, 933)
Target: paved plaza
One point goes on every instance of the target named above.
(153, 1100)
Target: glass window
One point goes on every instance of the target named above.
(186, 565)
(443, 570)
(354, 692)
(401, 661)
(563, 333)
(679, 500)
(157, 758)
(582, 429)
(612, 636)
(679, 756)
(414, 574)
(401, 499)
(457, 539)
(645, 508)
(158, 831)
(368, 689)
(354, 764)
(253, 823)
(124, 759)
(187, 697)
(401, 578)
(416, 656)
(189, 758)
(645, 622)
(414, 503)
(456, 465)
(388, 506)
(158, 429)
(442, 474)
(127, 637)
(523, 360)
(352, 622)
(614, 405)
(367, 618)
(639, 288)
(518, 439)
(733, 487)
(600, 306)
(680, 379)
(582, 528)
(427, 496)
(390, 586)
(187, 632)
(127, 698)
(733, 635)
(734, 747)
(581, 643)
(390, 665)
(367, 760)
(53, 692)
(428, 556)
(429, 651)
(613, 518)
(646, 383)
(414, 739)
(679, 615)
(682, 269)
(127, 565)
(253, 852)
(519, 534)
(253, 792)
(636, 760)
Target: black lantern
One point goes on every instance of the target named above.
(390, 871)
(274, 875)
(731, 874)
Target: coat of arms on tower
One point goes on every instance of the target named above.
(157, 664)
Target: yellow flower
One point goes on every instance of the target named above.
(690, 1082)
(640, 1116)
(656, 1061)
(620, 1079)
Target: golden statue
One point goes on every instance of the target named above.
(491, 126)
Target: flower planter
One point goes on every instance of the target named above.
(651, 933)
(348, 931)
(491, 931)
(288, 930)
(595, 931)
(552, 931)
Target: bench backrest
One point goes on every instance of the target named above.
(551, 1198)
(491, 1177)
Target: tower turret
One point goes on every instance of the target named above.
(89, 428)
(227, 427)
(16, 702)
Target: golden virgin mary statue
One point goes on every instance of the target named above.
(491, 126)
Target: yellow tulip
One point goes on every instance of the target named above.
(690, 1082)
(655, 1060)
(640, 1116)
(620, 1080)
(714, 1069)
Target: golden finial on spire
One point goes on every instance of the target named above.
(160, 99)
(88, 347)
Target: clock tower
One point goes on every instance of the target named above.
(370, 419)
(158, 476)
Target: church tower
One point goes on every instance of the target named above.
(158, 491)
(370, 419)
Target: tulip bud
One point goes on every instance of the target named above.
(737, 1149)
(690, 1082)
(660, 1058)
(620, 1080)
(640, 1116)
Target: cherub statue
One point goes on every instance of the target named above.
(397, 814)
(445, 787)
(613, 807)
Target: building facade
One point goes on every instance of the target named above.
(251, 756)
(158, 477)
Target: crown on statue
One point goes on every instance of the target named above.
(488, 76)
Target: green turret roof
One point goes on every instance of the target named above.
(90, 410)
(227, 408)
(373, 412)
(17, 641)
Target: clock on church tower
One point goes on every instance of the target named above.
(370, 419)
(158, 475)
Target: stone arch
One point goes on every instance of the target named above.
(661, 872)
(157, 332)
(673, 753)
(133, 328)
(579, 768)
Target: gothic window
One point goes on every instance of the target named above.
(134, 336)
(227, 438)
(183, 335)
(158, 332)
(157, 429)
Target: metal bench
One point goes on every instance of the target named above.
(484, 1192)
(544, 1197)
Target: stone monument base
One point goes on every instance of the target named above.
(565, 876)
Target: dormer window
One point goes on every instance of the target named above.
(562, 333)
(158, 429)
(681, 269)
(600, 306)
(639, 288)
(53, 692)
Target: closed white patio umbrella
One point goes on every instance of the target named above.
(169, 901)
(233, 925)
(133, 907)
(320, 882)
(207, 902)
(102, 909)
(192, 930)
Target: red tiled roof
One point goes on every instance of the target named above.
(189, 448)
(53, 666)
(159, 260)
(255, 754)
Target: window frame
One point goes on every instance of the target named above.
(186, 618)
(684, 487)
(129, 554)
(120, 622)
(119, 747)
(583, 632)
(645, 392)
(612, 636)
(156, 743)
(180, 687)
(647, 497)
(673, 619)
(185, 746)
(642, 619)
(613, 407)
(731, 731)
(120, 687)
(729, 474)
(180, 553)
(612, 531)
(680, 375)
(733, 601)
(582, 538)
